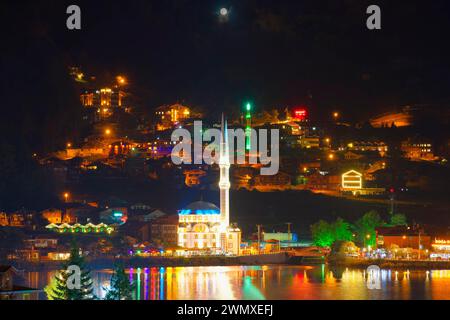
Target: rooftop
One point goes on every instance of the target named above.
(200, 207)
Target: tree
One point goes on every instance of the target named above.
(64, 284)
(365, 227)
(398, 219)
(342, 230)
(120, 288)
(344, 248)
(322, 234)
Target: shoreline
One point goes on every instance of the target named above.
(267, 259)
(143, 262)
(391, 264)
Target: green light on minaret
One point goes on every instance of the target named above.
(248, 126)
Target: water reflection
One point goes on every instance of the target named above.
(269, 282)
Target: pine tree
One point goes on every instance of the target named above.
(120, 288)
(59, 288)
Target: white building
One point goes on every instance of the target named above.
(202, 225)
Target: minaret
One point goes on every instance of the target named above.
(224, 182)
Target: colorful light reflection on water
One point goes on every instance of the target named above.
(269, 282)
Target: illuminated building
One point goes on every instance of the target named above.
(441, 245)
(202, 225)
(279, 181)
(78, 228)
(41, 242)
(417, 150)
(351, 180)
(320, 181)
(56, 216)
(401, 118)
(375, 146)
(351, 183)
(104, 101)
(299, 114)
(4, 221)
(164, 230)
(402, 237)
(169, 116)
(441, 248)
(309, 142)
(193, 177)
(117, 216)
(77, 74)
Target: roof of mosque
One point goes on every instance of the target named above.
(200, 207)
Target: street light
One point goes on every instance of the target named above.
(335, 115)
(367, 237)
(331, 156)
(121, 80)
(69, 145)
(108, 132)
(66, 196)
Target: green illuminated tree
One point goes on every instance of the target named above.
(322, 234)
(365, 227)
(342, 230)
(120, 288)
(60, 288)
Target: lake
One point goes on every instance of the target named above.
(276, 282)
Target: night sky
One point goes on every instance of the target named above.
(276, 53)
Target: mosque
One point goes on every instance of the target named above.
(202, 225)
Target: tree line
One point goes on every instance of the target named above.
(362, 231)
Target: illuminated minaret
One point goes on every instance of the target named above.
(224, 182)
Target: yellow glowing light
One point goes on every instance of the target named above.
(108, 131)
(352, 180)
(121, 80)
(69, 145)
(335, 115)
(331, 156)
(327, 140)
(441, 241)
(350, 145)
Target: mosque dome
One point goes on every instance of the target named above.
(200, 207)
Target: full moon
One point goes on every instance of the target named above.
(223, 11)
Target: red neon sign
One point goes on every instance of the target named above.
(300, 113)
